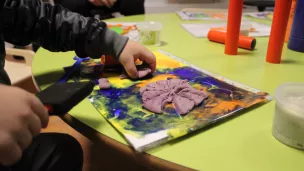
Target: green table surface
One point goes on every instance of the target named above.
(244, 143)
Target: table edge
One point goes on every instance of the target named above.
(150, 161)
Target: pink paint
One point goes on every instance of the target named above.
(184, 97)
(104, 83)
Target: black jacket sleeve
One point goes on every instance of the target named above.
(57, 29)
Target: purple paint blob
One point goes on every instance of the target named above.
(184, 97)
(141, 73)
(104, 83)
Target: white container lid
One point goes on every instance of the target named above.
(150, 26)
(290, 96)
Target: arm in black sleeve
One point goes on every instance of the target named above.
(57, 29)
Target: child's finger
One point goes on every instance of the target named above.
(106, 3)
(96, 2)
(130, 68)
(11, 151)
(149, 58)
(111, 2)
(39, 110)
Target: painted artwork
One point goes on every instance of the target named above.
(267, 15)
(121, 105)
(125, 29)
(201, 15)
(201, 30)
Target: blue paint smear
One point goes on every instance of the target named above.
(74, 68)
(114, 92)
(147, 126)
(170, 110)
(120, 114)
(186, 73)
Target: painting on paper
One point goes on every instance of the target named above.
(201, 15)
(267, 15)
(127, 29)
(121, 105)
(201, 30)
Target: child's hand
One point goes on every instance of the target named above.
(107, 3)
(21, 117)
(131, 53)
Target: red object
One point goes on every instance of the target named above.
(49, 108)
(109, 61)
(233, 26)
(278, 30)
(244, 42)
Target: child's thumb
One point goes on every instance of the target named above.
(131, 69)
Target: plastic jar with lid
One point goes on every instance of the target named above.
(288, 123)
(150, 33)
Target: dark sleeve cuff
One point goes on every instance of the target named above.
(100, 40)
(114, 44)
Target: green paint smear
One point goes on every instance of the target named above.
(118, 30)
